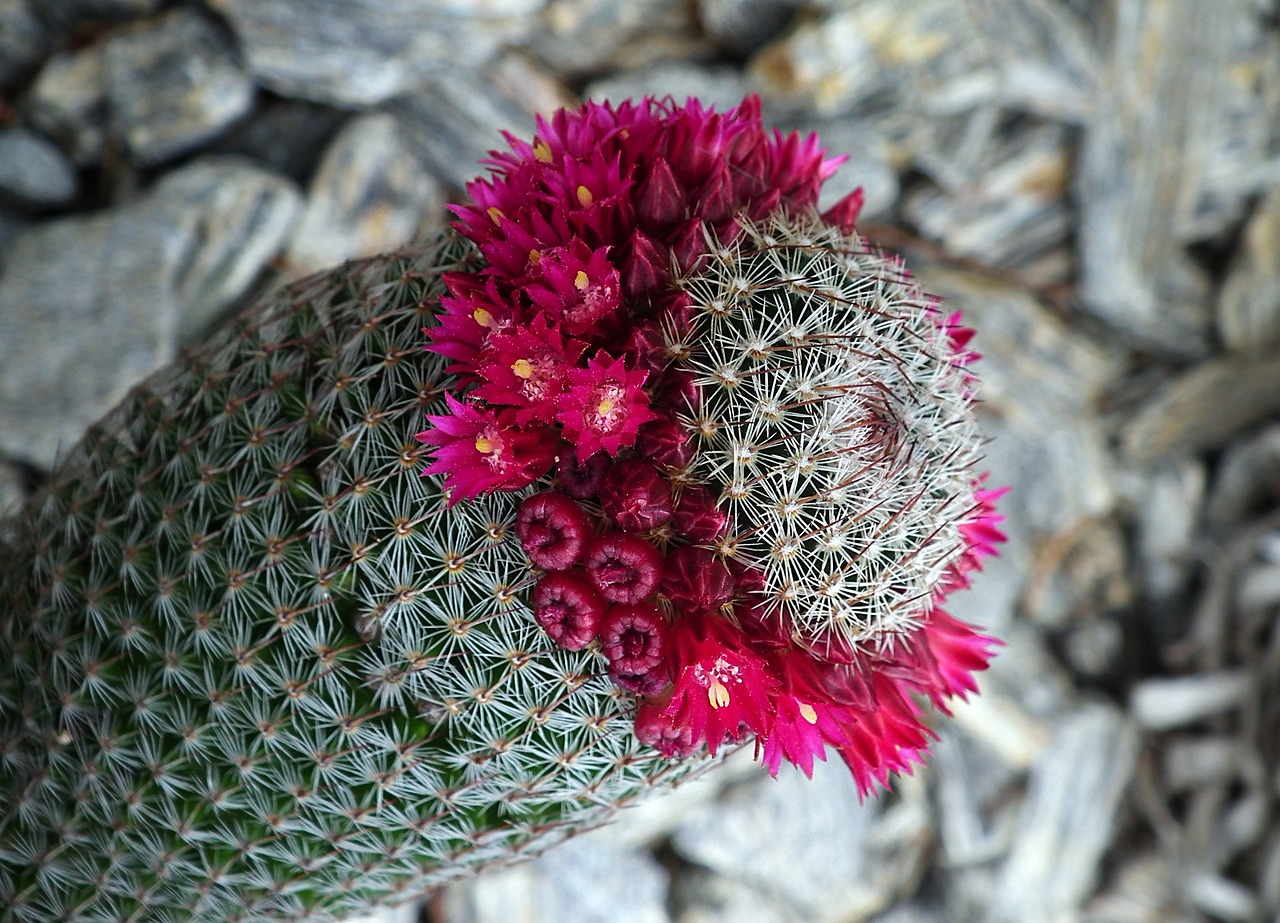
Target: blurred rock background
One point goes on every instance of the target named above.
(1096, 183)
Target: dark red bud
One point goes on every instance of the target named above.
(717, 199)
(689, 243)
(662, 201)
(646, 266)
(568, 609)
(553, 530)
(581, 478)
(696, 581)
(663, 733)
(634, 639)
(650, 682)
(624, 568)
(697, 519)
(665, 442)
(636, 496)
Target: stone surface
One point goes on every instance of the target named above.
(362, 52)
(1249, 305)
(68, 104)
(90, 305)
(172, 83)
(1191, 413)
(24, 40)
(742, 26)
(33, 171)
(69, 15)
(286, 135)
(1012, 212)
(1167, 160)
(810, 845)
(1161, 704)
(13, 489)
(454, 124)
(589, 37)
(589, 879)
(368, 195)
(236, 217)
(721, 87)
(1064, 826)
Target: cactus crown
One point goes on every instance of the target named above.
(835, 424)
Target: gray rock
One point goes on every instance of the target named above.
(1247, 477)
(1014, 208)
(1168, 514)
(1249, 306)
(89, 305)
(1064, 826)
(594, 37)
(869, 164)
(68, 15)
(1171, 157)
(67, 102)
(369, 194)
(1205, 407)
(287, 136)
(173, 83)
(810, 845)
(362, 52)
(34, 171)
(722, 87)
(236, 217)
(700, 896)
(11, 225)
(24, 39)
(456, 122)
(742, 26)
(1161, 703)
(87, 309)
(589, 879)
(933, 57)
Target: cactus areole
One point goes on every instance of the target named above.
(698, 469)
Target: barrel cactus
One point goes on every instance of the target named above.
(430, 560)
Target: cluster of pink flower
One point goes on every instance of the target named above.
(557, 346)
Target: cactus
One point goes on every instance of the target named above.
(699, 467)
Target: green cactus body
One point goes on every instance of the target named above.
(255, 666)
(254, 669)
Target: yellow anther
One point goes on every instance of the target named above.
(584, 196)
(580, 281)
(807, 713)
(484, 445)
(522, 367)
(535, 257)
(606, 407)
(542, 151)
(718, 695)
(495, 214)
(482, 317)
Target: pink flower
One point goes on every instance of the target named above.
(723, 690)
(603, 407)
(579, 287)
(480, 452)
(527, 368)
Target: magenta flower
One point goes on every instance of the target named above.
(480, 452)
(604, 406)
(723, 689)
(527, 369)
